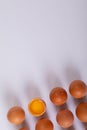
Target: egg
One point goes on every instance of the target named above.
(58, 96)
(44, 124)
(16, 115)
(65, 118)
(37, 107)
(78, 89)
(81, 111)
(23, 129)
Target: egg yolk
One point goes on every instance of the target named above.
(36, 107)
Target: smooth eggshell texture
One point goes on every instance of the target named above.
(16, 115)
(78, 89)
(44, 124)
(81, 112)
(58, 96)
(65, 118)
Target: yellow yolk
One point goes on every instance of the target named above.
(36, 107)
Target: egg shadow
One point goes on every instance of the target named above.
(77, 101)
(45, 115)
(85, 125)
(52, 80)
(64, 106)
(70, 128)
(25, 124)
(10, 100)
(31, 91)
(72, 73)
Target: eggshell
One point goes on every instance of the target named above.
(23, 129)
(44, 124)
(78, 89)
(81, 111)
(16, 115)
(58, 96)
(37, 107)
(65, 118)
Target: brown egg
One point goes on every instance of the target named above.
(78, 89)
(44, 124)
(58, 96)
(65, 118)
(23, 129)
(16, 115)
(81, 112)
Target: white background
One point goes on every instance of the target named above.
(43, 44)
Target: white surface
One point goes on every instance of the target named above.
(43, 43)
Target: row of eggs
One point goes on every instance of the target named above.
(58, 97)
